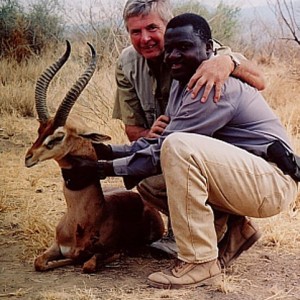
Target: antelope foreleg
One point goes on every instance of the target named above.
(99, 260)
(51, 259)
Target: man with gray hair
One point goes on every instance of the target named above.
(234, 156)
(143, 79)
(143, 85)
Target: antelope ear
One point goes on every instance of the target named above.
(96, 137)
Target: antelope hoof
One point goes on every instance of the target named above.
(90, 266)
(40, 264)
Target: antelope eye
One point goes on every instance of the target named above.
(54, 141)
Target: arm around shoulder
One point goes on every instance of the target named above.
(247, 71)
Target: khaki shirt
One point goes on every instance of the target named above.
(141, 97)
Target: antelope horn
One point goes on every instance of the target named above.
(43, 83)
(68, 102)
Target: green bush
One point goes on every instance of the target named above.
(223, 19)
(24, 33)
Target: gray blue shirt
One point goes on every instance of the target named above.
(242, 117)
(142, 94)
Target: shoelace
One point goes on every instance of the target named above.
(179, 264)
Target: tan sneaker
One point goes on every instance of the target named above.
(242, 233)
(187, 275)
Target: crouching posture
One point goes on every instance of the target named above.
(233, 156)
(238, 161)
(97, 225)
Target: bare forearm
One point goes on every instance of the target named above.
(249, 72)
(215, 71)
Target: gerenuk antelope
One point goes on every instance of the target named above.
(97, 225)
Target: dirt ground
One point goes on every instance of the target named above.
(31, 203)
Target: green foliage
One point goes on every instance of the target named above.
(8, 11)
(45, 23)
(191, 6)
(10, 16)
(24, 33)
(224, 22)
(223, 19)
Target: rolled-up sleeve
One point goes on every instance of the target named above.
(141, 158)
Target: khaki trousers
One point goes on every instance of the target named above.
(202, 172)
(153, 191)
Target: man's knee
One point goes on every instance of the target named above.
(183, 145)
(173, 146)
(153, 191)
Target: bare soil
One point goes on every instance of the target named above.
(31, 203)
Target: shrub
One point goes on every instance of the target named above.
(24, 33)
(223, 19)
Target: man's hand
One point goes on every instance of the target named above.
(211, 72)
(82, 173)
(103, 151)
(158, 126)
(134, 132)
(82, 168)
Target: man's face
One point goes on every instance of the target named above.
(184, 51)
(147, 35)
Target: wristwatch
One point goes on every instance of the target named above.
(236, 62)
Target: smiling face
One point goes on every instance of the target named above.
(184, 52)
(147, 34)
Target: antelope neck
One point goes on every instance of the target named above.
(76, 180)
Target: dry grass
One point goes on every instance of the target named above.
(95, 104)
(282, 94)
(280, 231)
(79, 294)
(31, 200)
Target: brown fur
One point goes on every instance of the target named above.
(97, 226)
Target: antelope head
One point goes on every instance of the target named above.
(58, 138)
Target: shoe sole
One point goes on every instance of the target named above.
(248, 244)
(216, 281)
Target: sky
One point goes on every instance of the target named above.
(112, 3)
(78, 10)
(240, 3)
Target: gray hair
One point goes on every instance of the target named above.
(134, 8)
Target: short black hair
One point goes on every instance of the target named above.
(200, 25)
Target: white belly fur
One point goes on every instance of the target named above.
(64, 250)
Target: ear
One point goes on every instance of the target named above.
(96, 137)
(79, 231)
(209, 47)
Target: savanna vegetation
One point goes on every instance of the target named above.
(31, 200)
